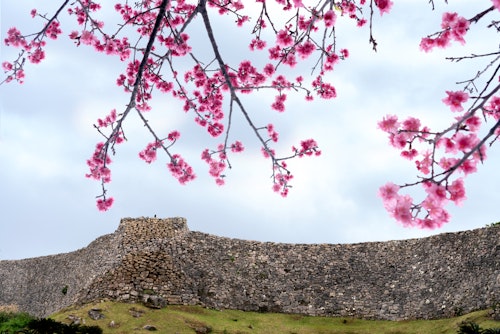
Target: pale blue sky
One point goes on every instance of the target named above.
(47, 206)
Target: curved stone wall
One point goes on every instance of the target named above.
(161, 260)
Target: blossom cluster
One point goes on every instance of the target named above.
(150, 38)
(454, 28)
(99, 170)
(443, 159)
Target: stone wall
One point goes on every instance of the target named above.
(161, 261)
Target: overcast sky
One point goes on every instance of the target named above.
(47, 206)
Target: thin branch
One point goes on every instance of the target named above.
(138, 79)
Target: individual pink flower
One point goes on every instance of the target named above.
(267, 152)
(409, 154)
(174, 135)
(104, 204)
(330, 17)
(401, 211)
(465, 142)
(427, 43)
(388, 192)
(108, 120)
(283, 38)
(384, 6)
(424, 165)
(389, 124)
(20, 76)
(6, 66)
(474, 123)
(269, 69)
(398, 140)
(448, 144)
(279, 103)
(457, 191)
(361, 22)
(459, 29)
(237, 147)
(305, 49)
(436, 192)
(149, 153)
(411, 124)
(330, 61)
(496, 3)
(88, 38)
(493, 107)
(215, 129)
(455, 100)
(448, 20)
(447, 163)
(257, 44)
(468, 166)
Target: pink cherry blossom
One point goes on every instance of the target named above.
(209, 90)
(330, 17)
(307, 148)
(389, 124)
(388, 192)
(457, 191)
(305, 49)
(237, 147)
(14, 38)
(272, 133)
(283, 38)
(455, 99)
(465, 142)
(401, 210)
(427, 44)
(384, 6)
(104, 204)
(6, 66)
(279, 103)
(174, 135)
(496, 3)
(149, 153)
(257, 44)
(180, 169)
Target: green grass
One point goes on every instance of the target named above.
(12, 322)
(185, 319)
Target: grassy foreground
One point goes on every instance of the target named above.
(131, 318)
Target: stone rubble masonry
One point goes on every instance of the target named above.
(160, 260)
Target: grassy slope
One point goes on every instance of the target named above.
(184, 319)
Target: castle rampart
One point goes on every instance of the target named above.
(160, 260)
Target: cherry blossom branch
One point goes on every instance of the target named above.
(461, 137)
(100, 159)
(206, 84)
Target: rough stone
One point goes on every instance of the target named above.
(95, 314)
(155, 302)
